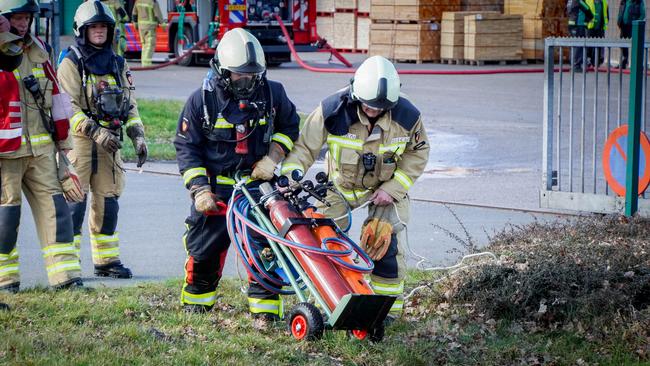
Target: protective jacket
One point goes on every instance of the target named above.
(391, 156)
(579, 13)
(207, 147)
(600, 13)
(23, 132)
(147, 13)
(630, 10)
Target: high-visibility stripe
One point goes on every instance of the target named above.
(76, 119)
(397, 307)
(63, 267)
(106, 253)
(41, 139)
(109, 79)
(9, 269)
(290, 167)
(282, 139)
(349, 195)
(12, 255)
(207, 299)
(403, 179)
(388, 288)
(354, 144)
(257, 306)
(101, 238)
(223, 123)
(262, 122)
(56, 249)
(12, 133)
(17, 74)
(38, 72)
(397, 148)
(193, 173)
(222, 179)
(133, 121)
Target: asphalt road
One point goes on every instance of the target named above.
(485, 133)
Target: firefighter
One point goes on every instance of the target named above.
(35, 126)
(248, 123)
(596, 29)
(101, 89)
(377, 148)
(121, 17)
(628, 11)
(147, 15)
(579, 15)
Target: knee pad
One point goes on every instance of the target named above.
(9, 222)
(63, 220)
(111, 209)
(78, 211)
(387, 266)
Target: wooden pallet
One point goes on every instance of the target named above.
(450, 61)
(350, 50)
(418, 62)
(494, 62)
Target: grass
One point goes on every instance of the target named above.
(160, 118)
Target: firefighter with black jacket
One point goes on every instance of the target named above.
(237, 121)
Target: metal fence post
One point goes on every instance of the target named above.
(549, 88)
(634, 118)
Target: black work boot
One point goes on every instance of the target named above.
(4, 307)
(73, 284)
(12, 288)
(196, 308)
(114, 270)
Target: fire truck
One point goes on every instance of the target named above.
(189, 21)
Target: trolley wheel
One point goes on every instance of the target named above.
(182, 45)
(305, 322)
(359, 334)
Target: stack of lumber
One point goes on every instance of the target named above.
(452, 34)
(482, 5)
(493, 37)
(542, 19)
(417, 42)
(411, 10)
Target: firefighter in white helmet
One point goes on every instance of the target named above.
(102, 92)
(238, 120)
(377, 148)
(34, 127)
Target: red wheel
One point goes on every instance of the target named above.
(299, 327)
(305, 322)
(359, 334)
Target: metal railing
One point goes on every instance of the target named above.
(581, 109)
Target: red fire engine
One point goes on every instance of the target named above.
(191, 20)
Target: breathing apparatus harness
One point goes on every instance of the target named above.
(111, 103)
(260, 108)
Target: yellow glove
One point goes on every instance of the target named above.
(72, 190)
(376, 236)
(204, 200)
(264, 169)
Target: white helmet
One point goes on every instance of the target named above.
(376, 83)
(10, 7)
(92, 12)
(240, 52)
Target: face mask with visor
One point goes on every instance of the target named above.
(112, 105)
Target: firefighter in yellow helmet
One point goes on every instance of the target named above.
(377, 148)
(147, 16)
(121, 16)
(34, 127)
(103, 100)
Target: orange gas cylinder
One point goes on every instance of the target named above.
(354, 279)
(322, 272)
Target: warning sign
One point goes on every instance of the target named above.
(615, 160)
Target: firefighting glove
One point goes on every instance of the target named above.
(69, 179)
(136, 134)
(204, 199)
(264, 169)
(107, 139)
(376, 236)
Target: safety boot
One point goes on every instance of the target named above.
(114, 270)
(4, 307)
(196, 308)
(12, 288)
(73, 284)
